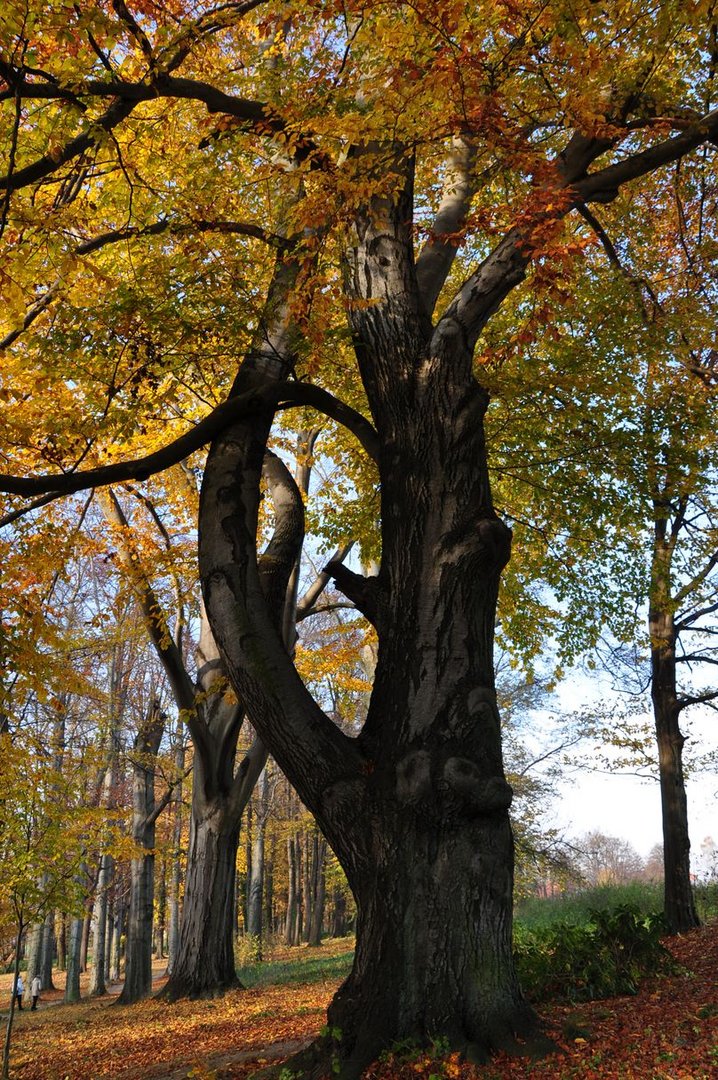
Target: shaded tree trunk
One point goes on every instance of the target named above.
(176, 862)
(255, 879)
(318, 890)
(61, 935)
(291, 917)
(85, 942)
(48, 952)
(115, 944)
(339, 914)
(204, 965)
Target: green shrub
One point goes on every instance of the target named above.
(576, 907)
(604, 957)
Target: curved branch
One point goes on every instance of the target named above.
(118, 111)
(281, 394)
(256, 116)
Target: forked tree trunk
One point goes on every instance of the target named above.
(416, 807)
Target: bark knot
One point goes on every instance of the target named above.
(479, 794)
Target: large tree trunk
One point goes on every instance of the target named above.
(416, 807)
(679, 902)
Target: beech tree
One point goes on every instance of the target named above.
(363, 148)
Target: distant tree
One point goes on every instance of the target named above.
(608, 860)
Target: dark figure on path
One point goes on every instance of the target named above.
(19, 990)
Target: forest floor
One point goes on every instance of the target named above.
(668, 1031)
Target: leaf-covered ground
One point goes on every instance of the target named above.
(669, 1031)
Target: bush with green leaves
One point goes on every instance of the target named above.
(604, 957)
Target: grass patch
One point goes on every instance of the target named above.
(306, 967)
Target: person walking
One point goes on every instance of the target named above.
(35, 988)
(19, 990)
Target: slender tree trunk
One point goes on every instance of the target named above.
(99, 922)
(138, 951)
(85, 944)
(176, 872)
(11, 1013)
(61, 935)
(117, 925)
(108, 936)
(291, 917)
(48, 952)
(33, 954)
(318, 885)
(679, 902)
(74, 960)
(269, 919)
(255, 880)
(306, 887)
(161, 925)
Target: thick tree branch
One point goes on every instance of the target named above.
(484, 291)
(118, 111)
(255, 116)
